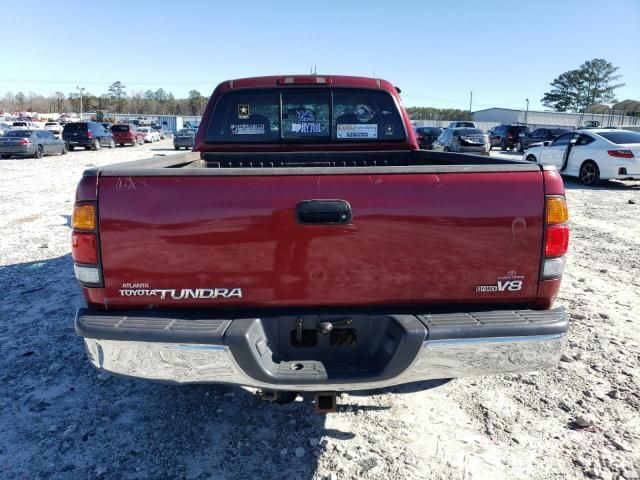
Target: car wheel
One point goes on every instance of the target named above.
(6, 155)
(65, 149)
(531, 158)
(177, 148)
(503, 145)
(112, 144)
(39, 152)
(96, 144)
(519, 146)
(589, 173)
(71, 148)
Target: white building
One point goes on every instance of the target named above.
(536, 118)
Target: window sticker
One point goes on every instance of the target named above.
(364, 113)
(248, 129)
(243, 111)
(388, 129)
(307, 127)
(306, 115)
(357, 130)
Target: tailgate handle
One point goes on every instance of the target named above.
(323, 212)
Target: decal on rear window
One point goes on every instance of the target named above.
(243, 111)
(248, 129)
(358, 130)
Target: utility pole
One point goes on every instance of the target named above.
(81, 90)
(526, 115)
(470, 102)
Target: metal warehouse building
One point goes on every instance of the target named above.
(535, 118)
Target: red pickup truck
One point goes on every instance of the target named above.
(307, 244)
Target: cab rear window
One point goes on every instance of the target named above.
(290, 115)
(120, 128)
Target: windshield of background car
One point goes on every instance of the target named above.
(519, 129)
(120, 128)
(621, 137)
(18, 133)
(284, 115)
(187, 131)
(467, 131)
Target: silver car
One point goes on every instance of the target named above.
(463, 140)
(31, 143)
(184, 138)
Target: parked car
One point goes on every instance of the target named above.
(539, 135)
(149, 134)
(462, 140)
(265, 259)
(184, 138)
(592, 154)
(90, 135)
(127, 133)
(34, 143)
(426, 136)
(462, 125)
(55, 128)
(506, 136)
(163, 131)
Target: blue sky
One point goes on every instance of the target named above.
(505, 51)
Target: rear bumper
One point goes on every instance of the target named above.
(439, 346)
(18, 150)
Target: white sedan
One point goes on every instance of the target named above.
(150, 135)
(592, 154)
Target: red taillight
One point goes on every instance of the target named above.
(620, 153)
(556, 241)
(84, 247)
(24, 141)
(509, 135)
(89, 134)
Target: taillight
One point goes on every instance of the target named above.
(620, 153)
(557, 241)
(556, 236)
(24, 141)
(84, 244)
(509, 135)
(84, 247)
(89, 134)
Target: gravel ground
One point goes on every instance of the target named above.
(61, 419)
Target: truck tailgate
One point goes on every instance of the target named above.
(414, 238)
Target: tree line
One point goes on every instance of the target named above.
(115, 100)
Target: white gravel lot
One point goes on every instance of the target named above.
(61, 419)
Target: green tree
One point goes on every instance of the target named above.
(118, 95)
(593, 82)
(196, 102)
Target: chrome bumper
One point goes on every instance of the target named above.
(189, 363)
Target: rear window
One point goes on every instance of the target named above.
(50, 124)
(268, 116)
(18, 133)
(120, 128)
(519, 128)
(19, 124)
(559, 131)
(621, 137)
(187, 131)
(75, 127)
(468, 131)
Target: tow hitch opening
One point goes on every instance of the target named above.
(325, 402)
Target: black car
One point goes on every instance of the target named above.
(426, 136)
(506, 136)
(539, 135)
(90, 135)
(34, 143)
